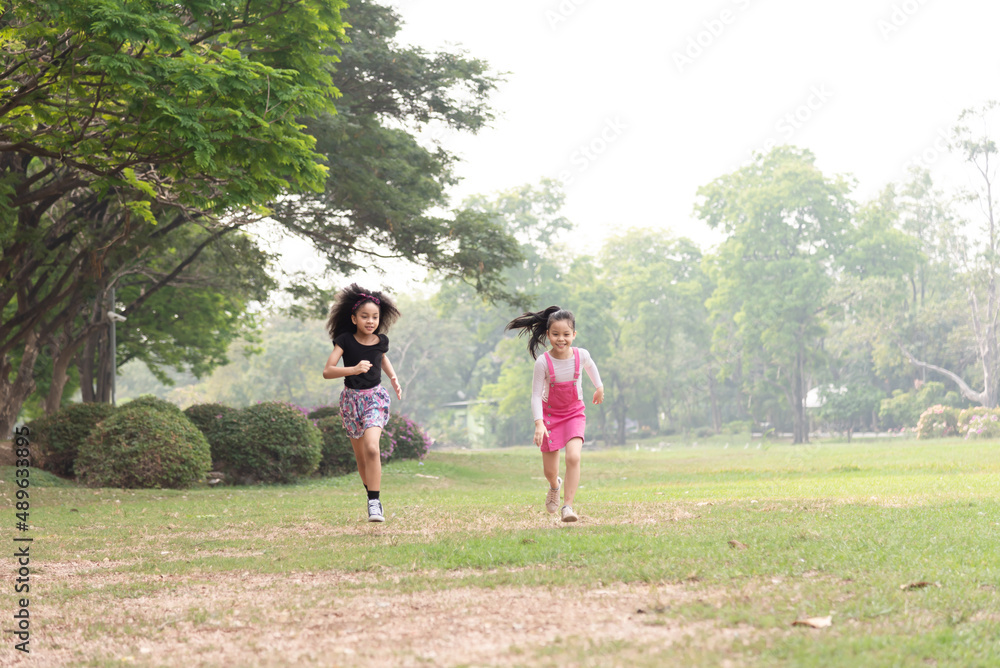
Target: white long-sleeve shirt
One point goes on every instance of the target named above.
(564, 374)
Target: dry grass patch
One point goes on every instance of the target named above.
(253, 619)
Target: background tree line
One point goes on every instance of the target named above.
(880, 308)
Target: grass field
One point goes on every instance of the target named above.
(685, 555)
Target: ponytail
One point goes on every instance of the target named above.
(537, 324)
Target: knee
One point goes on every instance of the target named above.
(573, 459)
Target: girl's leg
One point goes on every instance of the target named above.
(550, 466)
(368, 449)
(572, 481)
(359, 456)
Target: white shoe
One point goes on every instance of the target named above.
(552, 498)
(375, 511)
(568, 515)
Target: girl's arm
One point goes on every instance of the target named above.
(537, 385)
(331, 370)
(387, 368)
(595, 377)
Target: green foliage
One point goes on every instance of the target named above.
(153, 402)
(387, 189)
(938, 421)
(849, 405)
(144, 447)
(270, 442)
(737, 427)
(338, 453)
(403, 438)
(209, 92)
(903, 409)
(979, 422)
(206, 416)
(56, 438)
(284, 364)
(324, 412)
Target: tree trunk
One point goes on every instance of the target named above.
(14, 393)
(800, 427)
(60, 367)
(85, 365)
(716, 413)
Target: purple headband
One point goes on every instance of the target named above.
(365, 298)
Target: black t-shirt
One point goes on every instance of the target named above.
(354, 352)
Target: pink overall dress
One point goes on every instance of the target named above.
(563, 410)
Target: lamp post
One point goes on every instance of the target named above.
(113, 319)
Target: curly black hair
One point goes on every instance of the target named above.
(347, 302)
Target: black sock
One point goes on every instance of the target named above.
(366, 487)
(372, 495)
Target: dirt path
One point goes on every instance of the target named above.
(310, 619)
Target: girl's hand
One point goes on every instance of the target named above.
(396, 386)
(599, 395)
(540, 433)
(362, 367)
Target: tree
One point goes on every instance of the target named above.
(117, 118)
(787, 223)
(654, 305)
(386, 188)
(236, 102)
(979, 258)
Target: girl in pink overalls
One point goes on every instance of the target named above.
(557, 399)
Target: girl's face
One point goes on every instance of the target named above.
(561, 335)
(366, 318)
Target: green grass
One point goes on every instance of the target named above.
(829, 529)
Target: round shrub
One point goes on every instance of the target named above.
(149, 401)
(205, 416)
(144, 447)
(404, 439)
(938, 421)
(337, 451)
(324, 412)
(267, 442)
(56, 439)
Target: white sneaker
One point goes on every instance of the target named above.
(568, 515)
(552, 498)
(375, 511)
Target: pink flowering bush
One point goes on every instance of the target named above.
(938, 421)
(979, 422)
(405, 439)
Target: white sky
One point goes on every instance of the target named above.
(883, 78)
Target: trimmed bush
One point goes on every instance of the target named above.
(324, 412)
(56, 439)
(205, 416)
(979, 422)
(144, 447)
(737, 427)
(938, 421)
(149, 401)
(267, 442)
(338, 454)
(404, 439)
